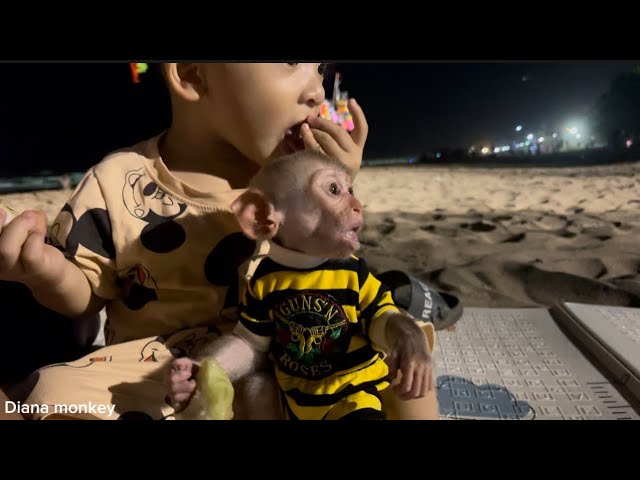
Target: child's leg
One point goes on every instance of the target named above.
(425, 408)
(126, 379)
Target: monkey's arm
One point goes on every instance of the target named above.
(237, 356)
(376, 306)
(245, 350)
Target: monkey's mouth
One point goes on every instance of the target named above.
(293, 138)
(351, 236)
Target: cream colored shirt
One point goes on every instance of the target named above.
(161, 253)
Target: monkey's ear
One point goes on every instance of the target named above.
(256, 215)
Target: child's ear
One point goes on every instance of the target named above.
(256, 215)
(185, 79)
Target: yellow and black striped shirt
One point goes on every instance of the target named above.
(315, 322)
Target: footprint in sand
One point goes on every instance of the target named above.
(387, 226)
(518, 237)
(482, 227)
(604, 232)
(548, 221)
(501, 218)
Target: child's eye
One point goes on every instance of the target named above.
(322, 69)
(334, 189)
(292, 64)
(351, 191)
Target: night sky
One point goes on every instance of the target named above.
(415, 108)
(65, 117)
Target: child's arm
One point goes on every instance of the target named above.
(54, 281)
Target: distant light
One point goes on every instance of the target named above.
(530, 136)
(505, 148)
(518, 128)
(555, 135)
(629, 143)
(578, 136)
(496, 150)
(572, 130)
(527, 143)
(485, 150)
(541, 139)
(438, 155)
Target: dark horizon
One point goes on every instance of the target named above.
(66, 117)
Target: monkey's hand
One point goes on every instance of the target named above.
(410, 356)
(328, 137)
(213, 399)
(182, 382)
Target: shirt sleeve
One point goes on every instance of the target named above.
(255, 326)
(82, 231)
(374, 300)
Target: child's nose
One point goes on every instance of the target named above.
(314, 92)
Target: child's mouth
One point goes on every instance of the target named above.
(293, 138)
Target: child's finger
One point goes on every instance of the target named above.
(31, 255)
(308, 139)
(360, 125)
(335, 131)
(327, 143)
(13, 237)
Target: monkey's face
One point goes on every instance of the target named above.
(325, 218)
(258, 108)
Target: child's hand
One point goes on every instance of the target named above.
(182, 382)
(335, 141)
(24, 255)
(410, 356)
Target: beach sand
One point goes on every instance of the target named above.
(495, 237)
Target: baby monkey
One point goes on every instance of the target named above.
(331, 329)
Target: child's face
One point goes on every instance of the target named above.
(259, 107)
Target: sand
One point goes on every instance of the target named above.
(508, 237)
(495, 237)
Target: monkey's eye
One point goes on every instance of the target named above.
(334, 189)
